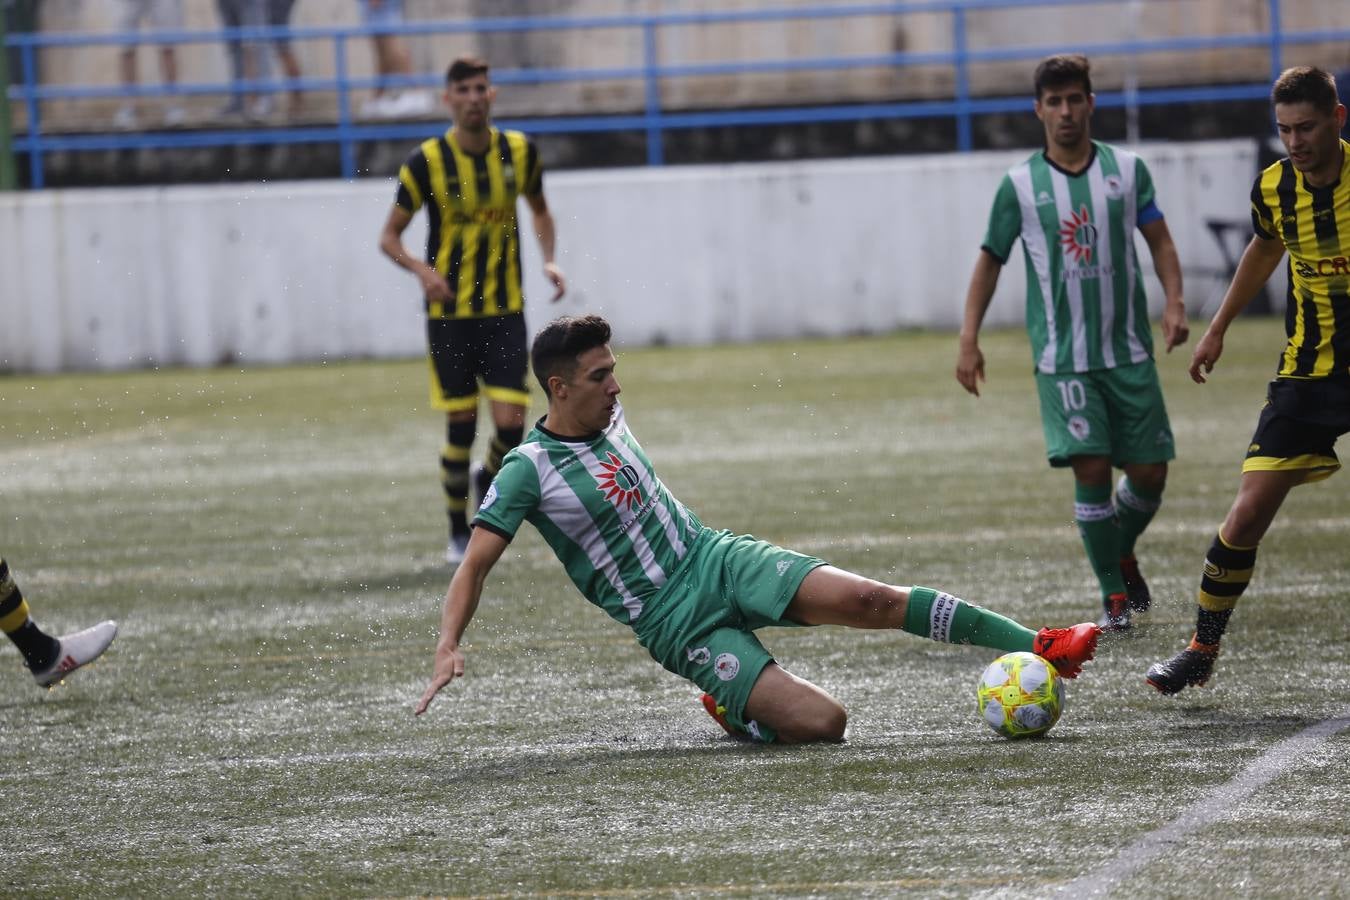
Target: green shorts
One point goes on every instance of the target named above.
(1117, 412)
(700, 624)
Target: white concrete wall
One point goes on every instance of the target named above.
(272, 273)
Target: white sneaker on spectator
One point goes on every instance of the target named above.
(260, 108)
(411, 103)
(385, 106)
(78, 649)
(372, 107)
(174, 115)
(125, 117)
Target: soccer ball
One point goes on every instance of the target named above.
(1020, 695)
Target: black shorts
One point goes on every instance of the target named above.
(1299, 426)
(490, 349)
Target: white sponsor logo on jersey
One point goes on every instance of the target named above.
(1079, 428)
(698, 655)
(783, 566)
(490, 497)
(727, 666)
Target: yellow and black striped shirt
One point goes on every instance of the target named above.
(473, 238)
(1314, 224)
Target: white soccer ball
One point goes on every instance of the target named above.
(1020, 695)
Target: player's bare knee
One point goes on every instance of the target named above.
(833, 723)
(824, 722)
(1150, 477)
(875, 605)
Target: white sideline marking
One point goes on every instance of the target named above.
(1273, 762)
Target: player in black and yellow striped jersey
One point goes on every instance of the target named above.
(1300, 205)
(468, 180)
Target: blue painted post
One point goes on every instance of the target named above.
(346, 150)
(1276, 38)
(30, 80)
(964, 141)
(655, 152)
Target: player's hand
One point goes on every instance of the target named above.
(555, 275)
(1176, 330)
(970, 369)
(449, 666)
(1207, 353)
(434, 286)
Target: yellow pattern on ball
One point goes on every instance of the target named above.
(1020, 695)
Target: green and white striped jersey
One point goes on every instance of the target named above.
(1086, 307)
(598, 503)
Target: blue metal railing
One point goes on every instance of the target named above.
(653, 120)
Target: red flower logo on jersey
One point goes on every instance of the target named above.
(619, 483)
(1078, 236)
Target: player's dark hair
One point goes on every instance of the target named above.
(1306, 84)
(557, 346)
(1063, 70)
(464, 68)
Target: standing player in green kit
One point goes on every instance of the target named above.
(1075, 205)
(693, 596)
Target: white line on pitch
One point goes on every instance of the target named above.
(1272, 763)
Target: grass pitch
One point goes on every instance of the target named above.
(270, 541)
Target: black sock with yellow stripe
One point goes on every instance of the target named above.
(1228, 571)
(501, 444)
(38, 647)
(455, 473)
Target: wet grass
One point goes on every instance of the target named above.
(270, 542)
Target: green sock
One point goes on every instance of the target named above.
(1096, 517)
(942, 617)
(1134, 510)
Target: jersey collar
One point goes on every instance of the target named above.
(1092, 158)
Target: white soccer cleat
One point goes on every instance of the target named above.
(455, 550)
(78, 649)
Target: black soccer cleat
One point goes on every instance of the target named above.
(1136, 588)
(1191, 666)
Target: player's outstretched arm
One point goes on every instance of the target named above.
(969, 358)
(461, 600)
(1167, 263)
(1254, 270)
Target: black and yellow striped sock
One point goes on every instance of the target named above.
(455, 473)
(1228, 571)
(501, 444)
(38, 647)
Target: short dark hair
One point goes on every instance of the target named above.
(464, 68)
(557, 346)
(1306, 84)
(1061, 70)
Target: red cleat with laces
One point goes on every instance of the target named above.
(1067, 648)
